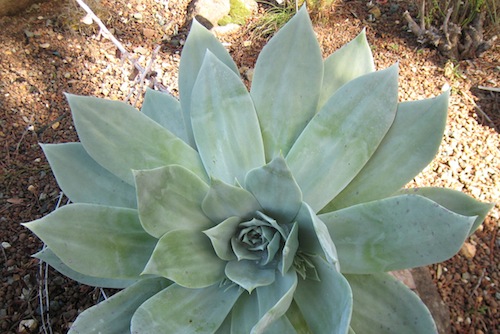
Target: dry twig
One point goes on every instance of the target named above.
(124, 52)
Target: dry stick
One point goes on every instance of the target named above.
(143, 76)
(445, 26)
(492, 124)
(109, 35)
(106, 33)
(422, 16)
(491, 89)
(43, 286)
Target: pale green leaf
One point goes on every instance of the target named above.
(383, 305)
(286, 84)
(410, 144)
(314, 237)
(165, 110)
(275, 189)
(198, 42)
(249, 274)
(290, 248)
(225, 125)
(224, 200)
(342, 137)
(169, 198)
(325, 304)
(185, 311)
(220, 235)
(95, 240)
(455, 201)
(352, 60)
(241, 251)
(296, 318)
(395, 233)
(113, 315)
(121, 139)
(245, 314)
(48, 256)
(85, 181)
(187, 258)
(225, 327)
(274, 301)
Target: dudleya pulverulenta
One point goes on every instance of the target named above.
(278, 210)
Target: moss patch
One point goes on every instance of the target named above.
(237, 14)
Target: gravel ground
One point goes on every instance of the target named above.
(46, 51)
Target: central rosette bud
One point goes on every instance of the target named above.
(256, 225)
(259, 239)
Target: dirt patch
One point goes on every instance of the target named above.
(43, 55)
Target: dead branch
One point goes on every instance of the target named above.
(450, 39)
(145, 72)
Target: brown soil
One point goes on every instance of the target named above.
(46, 51)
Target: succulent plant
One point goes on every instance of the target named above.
(275, 210)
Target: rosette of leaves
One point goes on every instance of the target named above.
(274, 210)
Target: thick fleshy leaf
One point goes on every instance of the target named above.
(249, 274)
(121, 139)
(352, 60)
(245, 314)
(344, 134)
(185, 311)
(275, 189)
(224, 200)
(198, 42)
(274, 301)
(297, 320)
(220, 235)
(48, 256)
(314, 237)
(410, 144)
(325, 304)
(169, 198)
(290, 248)
(96, 240)
(225, 327)
(241, 251)
(383, 305)
(85, 181)
(455, 201)
(165, 110)
(286, 84)
(187, 258)
(395, 233)
(225, 125)
(113, 315)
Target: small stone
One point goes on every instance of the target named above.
(375, 11)
(67, 75)
(141, 50)
(468, 250)
(137, 16)
(87, 19)
(6, 245)
(148, 33)
(228, 29)
(31, 188)
(27, 326)
(55, 125)
(45, 45)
